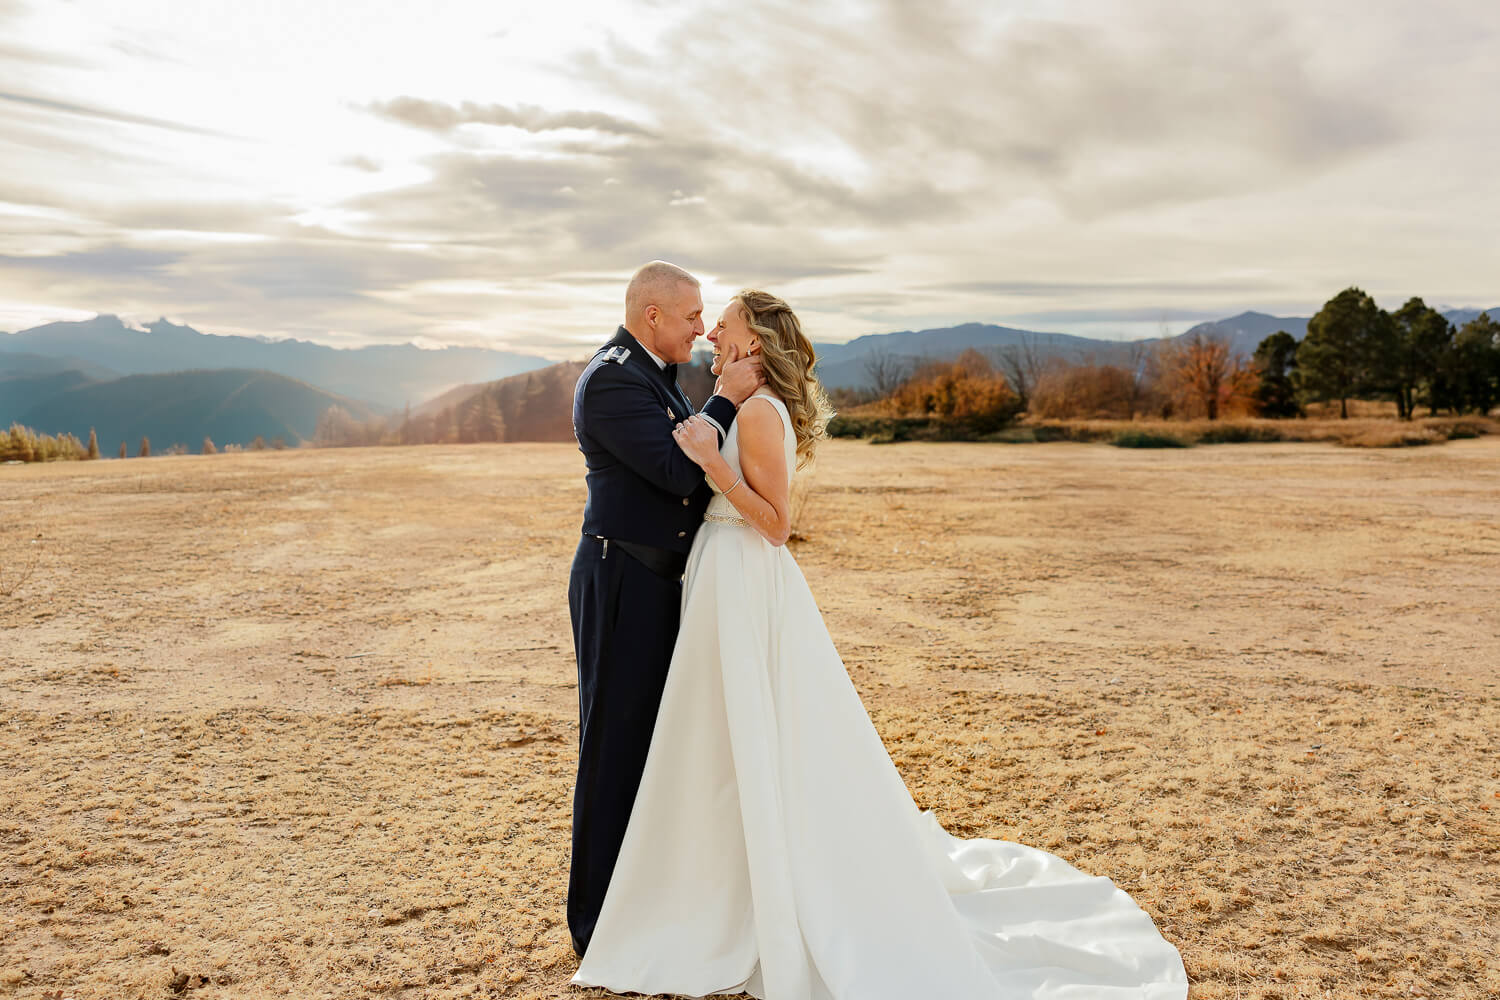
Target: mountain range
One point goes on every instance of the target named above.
(843, 366)
(386, 376)
(175, 384)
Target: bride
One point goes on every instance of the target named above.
(773, 848)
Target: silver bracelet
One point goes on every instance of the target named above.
(731, 489)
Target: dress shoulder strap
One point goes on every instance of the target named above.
(774, 400)
(789, 440)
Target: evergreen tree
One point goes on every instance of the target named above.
(93, 444)
(1475, 372)
(122, 449)
(1276, 361)
(1419, 357)
(1334, 360)
(145, 451)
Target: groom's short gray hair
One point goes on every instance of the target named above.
(653, 283)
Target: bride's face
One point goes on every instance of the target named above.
(732, 337)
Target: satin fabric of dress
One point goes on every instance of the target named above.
(774, 849)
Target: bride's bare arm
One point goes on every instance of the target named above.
(761, 498)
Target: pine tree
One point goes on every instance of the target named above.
(122, 449)
(1476, 364)
(1418, 356)
(145, 447)
(93, 444)
(1276, 360)
(1336, 358)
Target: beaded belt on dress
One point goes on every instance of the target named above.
(726, 519)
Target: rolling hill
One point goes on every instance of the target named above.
(536, 406)
(19, 393)
(228, 406)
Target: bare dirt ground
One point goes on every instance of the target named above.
(303, 723)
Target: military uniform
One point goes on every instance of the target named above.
(645, 503)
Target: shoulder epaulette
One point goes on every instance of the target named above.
(617, 354)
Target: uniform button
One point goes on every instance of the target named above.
(682, 534)
(684, 501)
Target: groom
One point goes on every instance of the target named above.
(645, 504)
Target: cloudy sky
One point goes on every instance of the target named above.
(489, 173)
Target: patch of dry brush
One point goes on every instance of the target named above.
(1369, 432)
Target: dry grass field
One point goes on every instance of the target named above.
(302, 723)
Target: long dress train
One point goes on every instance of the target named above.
(773, 848)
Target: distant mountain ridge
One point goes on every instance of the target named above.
(1245, 331)
(65, 363)
(844, 366)
(16, 363)
(387, 376)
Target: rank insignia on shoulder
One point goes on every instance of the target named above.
(617, 355)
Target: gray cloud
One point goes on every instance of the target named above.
(1098, 289)
(435, 116)
(617, 205)
(113, 262)
(1169, 105)
(1121, 315)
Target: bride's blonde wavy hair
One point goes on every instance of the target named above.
(787, 358)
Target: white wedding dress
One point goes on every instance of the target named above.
(774, 850)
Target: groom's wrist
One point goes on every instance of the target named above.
(711, 421)
(719, 411)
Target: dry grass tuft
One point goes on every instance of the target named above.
(1393, 437)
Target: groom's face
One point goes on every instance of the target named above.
(679, 322)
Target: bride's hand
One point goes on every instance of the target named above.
(698, 440)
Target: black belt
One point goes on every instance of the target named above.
(662, 562)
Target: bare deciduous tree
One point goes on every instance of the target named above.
(1022, 364)
(886, 371)
(1204, 366)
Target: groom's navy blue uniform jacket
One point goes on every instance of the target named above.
(641, 487)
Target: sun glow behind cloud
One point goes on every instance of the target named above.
(490, 173)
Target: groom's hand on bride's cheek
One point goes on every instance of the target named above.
(740, 379)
